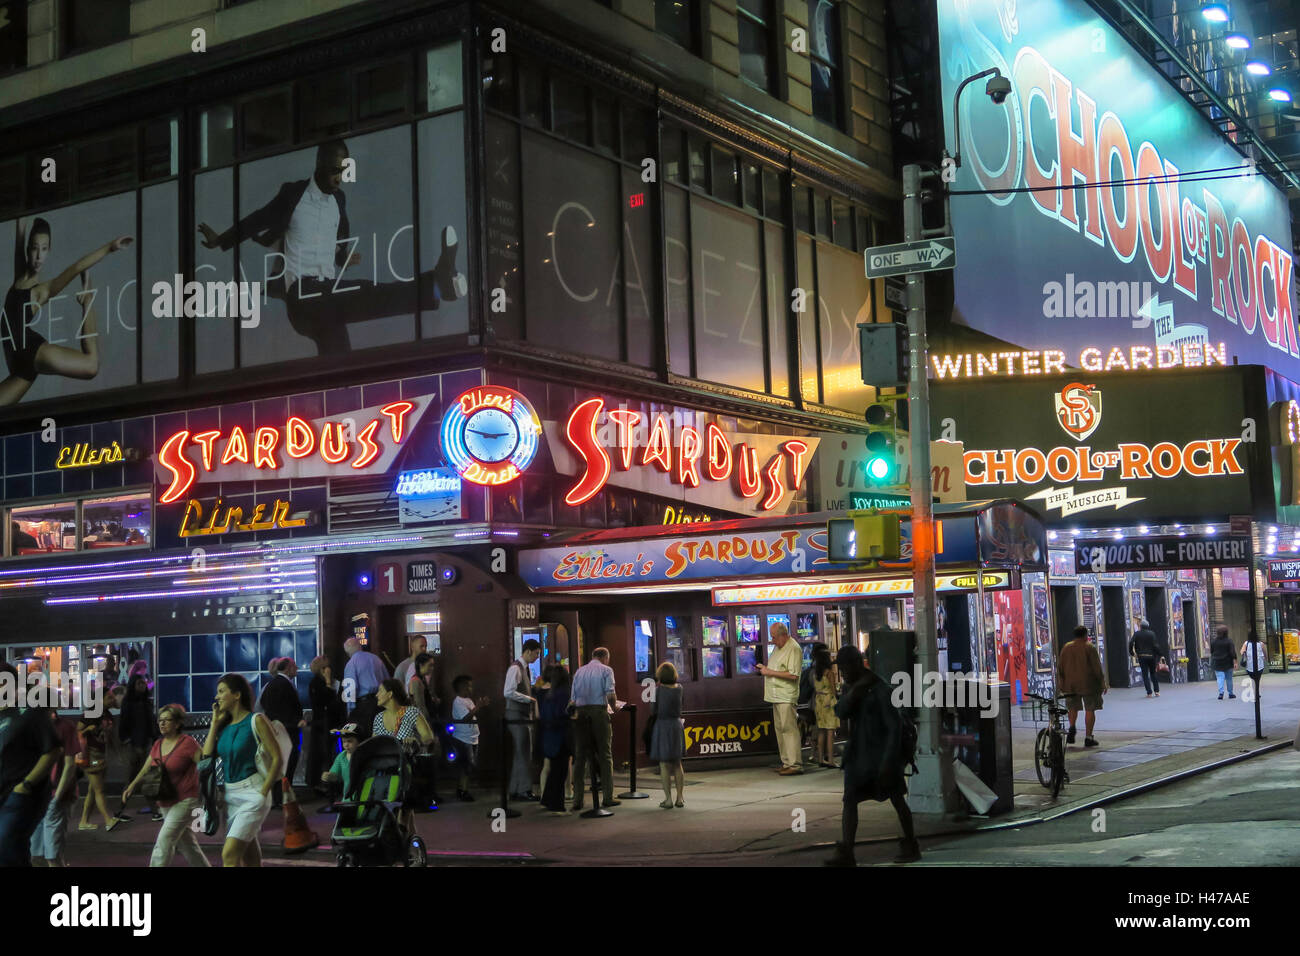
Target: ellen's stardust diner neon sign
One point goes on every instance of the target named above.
(264, 448)
(693, 458)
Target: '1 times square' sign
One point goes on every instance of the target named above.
(1186, 244)
(1106, 448)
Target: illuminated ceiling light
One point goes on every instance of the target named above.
(1143, 528)
(1074, 531)
(1051, 536)
(1210, 529)
(1119, 535)
(1214, 11)
(1176, 525)
(1182, 534)
(1258, 68)
(1237, 41)
(1279, 94)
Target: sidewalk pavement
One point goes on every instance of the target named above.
(751, 816)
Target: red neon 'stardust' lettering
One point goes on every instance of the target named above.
(205, 441)
(264, 442)
(333, 443)
(236, 447)
(796, 450)
(776, 490)
(719, 453)
(300, 440)
(747, 479)
(581, 432)
(659, 449)
(627, 421)
(397, 412)
(367, 440)
(688, 458)
(182, 470)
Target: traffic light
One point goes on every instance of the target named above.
(864, 538)
(885, 418)
(886, 356)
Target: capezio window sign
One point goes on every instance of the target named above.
(359, 443)
(665, 455)
(1165, 258)
(490, 435)
(1160, 553)
(432, 494)
(1137, 440)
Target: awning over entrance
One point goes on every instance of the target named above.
(999, 534)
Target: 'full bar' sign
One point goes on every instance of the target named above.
(1159, 553)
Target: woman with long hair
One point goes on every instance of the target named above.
(93, 759)
(667, 743)
(397, 718)
(328, 713)
(237, 736)
(27, 352)
(177, 753)
(825, 696)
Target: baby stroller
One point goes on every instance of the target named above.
(368, 831)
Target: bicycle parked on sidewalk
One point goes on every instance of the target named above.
(1049, 745)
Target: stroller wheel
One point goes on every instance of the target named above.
(346, 858)
(416, 854)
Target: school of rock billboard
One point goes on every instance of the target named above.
(1197, 253)
(1109, 449)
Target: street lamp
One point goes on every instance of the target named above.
(933, 763)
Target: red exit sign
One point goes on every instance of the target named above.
(636, 200)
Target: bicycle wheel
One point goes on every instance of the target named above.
(1058, 765)
(1043, 757)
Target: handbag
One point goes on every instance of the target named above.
(1162, 668)
(648, 732)
(157, 784)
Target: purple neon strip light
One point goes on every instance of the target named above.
(100, 598)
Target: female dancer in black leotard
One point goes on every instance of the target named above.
(26, 351)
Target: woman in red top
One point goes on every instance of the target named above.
(179, 755)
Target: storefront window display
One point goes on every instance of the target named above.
(43, 529)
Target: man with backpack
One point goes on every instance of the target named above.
(881, 744)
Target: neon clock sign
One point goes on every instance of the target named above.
(490, 435)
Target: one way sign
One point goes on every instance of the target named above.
(927, 255)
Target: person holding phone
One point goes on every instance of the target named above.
(236, 736)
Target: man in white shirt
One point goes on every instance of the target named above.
(418, 644)
(522, 706)
(309, 220)
(781, 690)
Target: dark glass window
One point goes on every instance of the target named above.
(754, 25)
(533, 83)
(673, 158)
(676, 19)
(266, 121)
(728, 295)
(637, 126)
(773, 198)
(699, 169)
(604, 115)
(41, 193)
(841, 224)
(569, 107)
(863, 223)
(803, 215)
(499, 83)
(751, 187)
(824, 49)
(216, 136)
(106, 165)
(88, 24)
(323, 105)
(381, 90)
(159, 149)
(726, 181)
(13, 38)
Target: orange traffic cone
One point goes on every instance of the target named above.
(298, 837)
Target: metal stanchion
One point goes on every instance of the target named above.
(632, 793)
(505, 773)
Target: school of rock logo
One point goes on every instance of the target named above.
(1078, 409)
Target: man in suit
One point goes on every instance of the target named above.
(308, 218)
(280, 701)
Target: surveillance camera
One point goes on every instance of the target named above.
(998, 88)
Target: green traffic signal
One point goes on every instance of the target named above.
(878, 468)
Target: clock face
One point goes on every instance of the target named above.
(491, 435)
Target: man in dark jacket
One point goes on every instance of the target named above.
(1146, 647)
(280, 701)
(1223, 658)
(873, 764)
(308, 220)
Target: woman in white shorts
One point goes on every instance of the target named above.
(237, 734)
